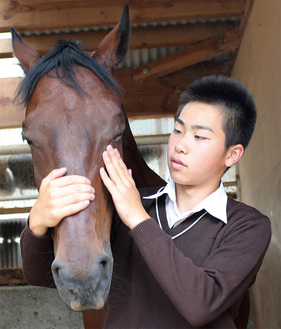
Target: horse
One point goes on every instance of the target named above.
(73, 111)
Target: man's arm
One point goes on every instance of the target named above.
(37, 256)
(201, 294)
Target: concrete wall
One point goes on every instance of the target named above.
(258, 66)
(29, 307)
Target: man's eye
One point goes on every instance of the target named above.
(176, 131)
(200, 137)
(116, 138)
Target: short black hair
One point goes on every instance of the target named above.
(232, 98)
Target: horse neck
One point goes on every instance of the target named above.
(142, 174)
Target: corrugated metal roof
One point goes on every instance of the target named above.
(142, 25)
(138, 57)
(134, 57)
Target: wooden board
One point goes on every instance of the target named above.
(11, 115)
(11, 276)
(147, 37)
(30, 15)
(140, 98)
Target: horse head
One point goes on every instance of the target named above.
(73, 111)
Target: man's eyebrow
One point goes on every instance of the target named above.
(180, 121)
(195, 127)
(198, 127)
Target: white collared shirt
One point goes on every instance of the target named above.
(214, 204)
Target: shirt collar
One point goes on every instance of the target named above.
(215, 203)
(168, 189)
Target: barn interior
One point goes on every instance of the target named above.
(172, 44)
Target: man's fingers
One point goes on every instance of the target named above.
(67, 205)
(111, 167)
(57, 178)
(77, 197)
(72, 209)
(74, 189)
(56, 173)
(109, 184)
(70, 180)
(115, 166)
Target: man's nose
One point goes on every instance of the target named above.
(182, 146)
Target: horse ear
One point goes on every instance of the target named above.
(26, 55)
(114, 46)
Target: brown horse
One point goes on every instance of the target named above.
(73, 111)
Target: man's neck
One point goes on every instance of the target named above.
(188, 197)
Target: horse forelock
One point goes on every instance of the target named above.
(65, 57)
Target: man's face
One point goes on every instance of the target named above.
(196, 150)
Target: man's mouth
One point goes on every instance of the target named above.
(177, 163)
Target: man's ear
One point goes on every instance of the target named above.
(234, 154)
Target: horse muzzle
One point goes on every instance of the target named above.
(83, 289)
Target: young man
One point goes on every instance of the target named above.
(185, 254)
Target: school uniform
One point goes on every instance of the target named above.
(189, 271)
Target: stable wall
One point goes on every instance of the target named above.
(258, 66)
(27, 307)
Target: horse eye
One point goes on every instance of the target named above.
(116, 138)
(29, 142)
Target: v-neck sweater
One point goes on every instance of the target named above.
(196, 280)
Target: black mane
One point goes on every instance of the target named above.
(64, 58)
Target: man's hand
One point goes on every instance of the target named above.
(119, 182)
(59, 196)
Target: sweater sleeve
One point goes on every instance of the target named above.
(37, 257)
(201, 294)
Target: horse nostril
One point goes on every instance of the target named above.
(104, 265)
(56, 266)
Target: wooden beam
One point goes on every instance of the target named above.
(147, 37)
(150, 97)
(11, 115)
(177, 35)
(141, 98)
(6, 48)
(14, 210)
(11, 276)
(44, 43)
(190, 56)
(31, 15)
(14, 149)
(152, 140)
(247, 12)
